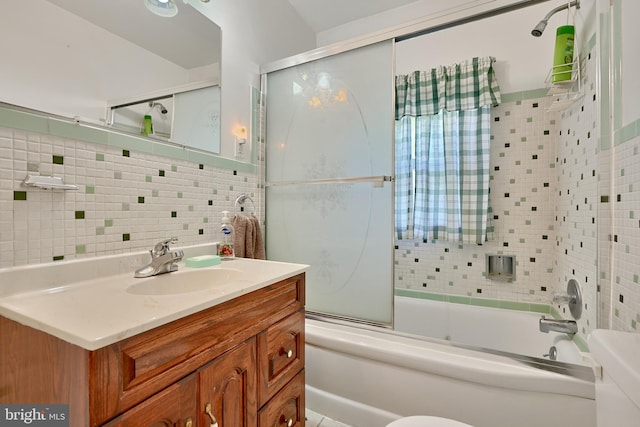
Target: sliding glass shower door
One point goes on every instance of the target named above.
(329, 191)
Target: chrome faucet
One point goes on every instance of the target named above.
(163, 259)
(565, 326)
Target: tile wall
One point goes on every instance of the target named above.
(522, 192)
(625, 237)
(545, 199)
(619, 160)
(577, 218)
(127, 200)
(566, 204)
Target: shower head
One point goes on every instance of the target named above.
(163, 110)
(539, 29)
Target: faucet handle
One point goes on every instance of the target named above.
(162, 248)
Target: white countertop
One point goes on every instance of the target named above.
(98, 311)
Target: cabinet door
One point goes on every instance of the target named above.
(228, 393)
(174, 406)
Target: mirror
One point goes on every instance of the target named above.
(188, 115)
(74, 59)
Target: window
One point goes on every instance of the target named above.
(443, 136)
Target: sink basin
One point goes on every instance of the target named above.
(184, 281)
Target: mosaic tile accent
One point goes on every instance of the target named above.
(577, 201)
(116, 210)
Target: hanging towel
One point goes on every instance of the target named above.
(258, 242)
(241, 229)
(248, 242)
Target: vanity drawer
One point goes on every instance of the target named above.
(280, 355)
(128, 372)
(287, 408)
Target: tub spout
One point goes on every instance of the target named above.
(565, 326)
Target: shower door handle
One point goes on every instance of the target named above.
(378, 179)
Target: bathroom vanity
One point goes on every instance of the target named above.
(233, 356)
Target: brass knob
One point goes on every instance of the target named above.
(283, 420)
(289, 353)
(208, 410)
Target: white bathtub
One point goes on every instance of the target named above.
(484, 327)
(367, 378)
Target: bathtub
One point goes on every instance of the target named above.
(509, 331)
(366, 377)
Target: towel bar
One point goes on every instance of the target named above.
(243, 198)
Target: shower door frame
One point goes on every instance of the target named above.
(482, 10)
(373, 179)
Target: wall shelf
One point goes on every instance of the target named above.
(47, 183)
(564, 92)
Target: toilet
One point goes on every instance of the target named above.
(425, 421)
(618, 388)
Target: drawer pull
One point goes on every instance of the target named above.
(189, 422)
(207, 409)
(288, 422)
(288, 353)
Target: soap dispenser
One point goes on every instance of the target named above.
(226, 238)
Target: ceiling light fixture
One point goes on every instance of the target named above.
(164, 8)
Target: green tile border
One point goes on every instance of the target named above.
(77, 131)
(254, 130)
(486, 302)
(616, 61)
(605, 86)
(611, 53)
(524, 95)
(34, 121)
(627, 133)
(478, 302)
(591, 44)
(23, 121)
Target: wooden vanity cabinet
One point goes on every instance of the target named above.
(239, 363)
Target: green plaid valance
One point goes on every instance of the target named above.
(459, 87)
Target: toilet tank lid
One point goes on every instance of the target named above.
(617, 352)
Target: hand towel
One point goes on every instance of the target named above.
(258, 242)
(248, 241)
(240, 225)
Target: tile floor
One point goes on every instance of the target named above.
(317, 420)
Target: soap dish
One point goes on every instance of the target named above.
(202, 261)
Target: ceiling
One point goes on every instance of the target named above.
(165, 37)
(322, 15)
(130, 20)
